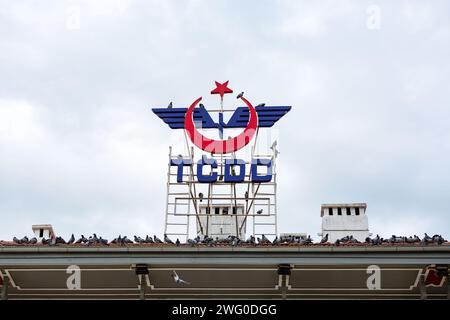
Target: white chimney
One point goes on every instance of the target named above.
(341, 220)
(43, 231)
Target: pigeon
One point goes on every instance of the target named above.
(60, 240)
(103, 241)
(240, 95)
(235, 242)
(167, 239)
(170, 106)
(259, 211)
(125, 240)
(24, 240)
(177, 279)
(191, 242)
(264, 239)
(274, 148)
(148, 239)
(138, 239)
(200, 195)
(71, 240)
(324, 239)
(276, 241)
(33, 240)
(17, 240)
(177, 242)
(82, 239)
(261, 105)
(157, 240)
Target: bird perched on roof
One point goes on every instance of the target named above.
(177, 242)
(276, 241)
(33, 240)
(324, 239)
(16, 240)
(138, 239)
(83, 239)
(170, 106)
(156, 239)
(178, 280)
(240, 95)
(71, 240)
(260, 105)
(103, 241)
(60, 240)
(167, 239)
(191, 242)
(24, 240)
(148, 239)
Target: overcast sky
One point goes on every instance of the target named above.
(368, 82)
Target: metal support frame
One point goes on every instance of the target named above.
(284, 272)
(142, 273)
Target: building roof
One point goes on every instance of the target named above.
(316, 271)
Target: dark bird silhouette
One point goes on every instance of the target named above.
(16, 240)
(261, 105)
(167, 239)
(324, 239)
(170, 106)
(177, 242)
(240, 95)
(148, 239)
(138, 239)
(200, 195)
(276, 241)
(71, 240)
(156, 239)
(103, 241)
(191, 242)
(24, 240)
(33, 240)
(259, 211)
(83, 239)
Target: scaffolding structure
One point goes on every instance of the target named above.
(220, 209)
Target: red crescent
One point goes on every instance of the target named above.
(221, 146)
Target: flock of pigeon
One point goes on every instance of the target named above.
(230, 241)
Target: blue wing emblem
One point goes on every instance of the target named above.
(267, 116)
(174, 117)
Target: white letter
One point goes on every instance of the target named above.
(374, 280)
(73, 281)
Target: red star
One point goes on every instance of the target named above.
(221, 89)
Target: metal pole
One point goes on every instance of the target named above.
(4, 295)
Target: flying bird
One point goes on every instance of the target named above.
(240, 95)
(178, 280)
(259, 211)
